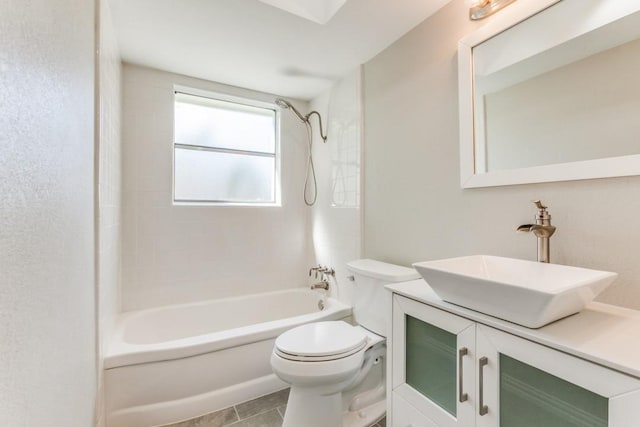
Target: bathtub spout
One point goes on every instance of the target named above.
(321, 285)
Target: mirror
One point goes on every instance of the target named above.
(550, 91)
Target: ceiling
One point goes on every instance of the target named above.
(251, 44)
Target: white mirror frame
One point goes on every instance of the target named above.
(589, 169)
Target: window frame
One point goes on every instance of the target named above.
(245, 101)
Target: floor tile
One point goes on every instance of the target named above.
(220, 418)
(380, 423)
(262, 404)
(270, 418)
(265, 411)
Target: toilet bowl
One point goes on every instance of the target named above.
(320, 361)
(336, 370)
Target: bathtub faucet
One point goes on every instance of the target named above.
(321, 285)
(322, 270)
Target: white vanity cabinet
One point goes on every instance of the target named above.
(432, 362)
(447, 370)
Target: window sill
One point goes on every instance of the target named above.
(226, 204)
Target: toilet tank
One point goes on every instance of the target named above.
(371, 301)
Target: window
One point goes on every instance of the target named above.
(224, 151)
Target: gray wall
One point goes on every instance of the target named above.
(47, 306)
(414, 208)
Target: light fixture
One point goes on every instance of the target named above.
(479, 9)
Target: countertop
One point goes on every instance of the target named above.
(604, 334)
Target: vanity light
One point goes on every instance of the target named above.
(479, 9)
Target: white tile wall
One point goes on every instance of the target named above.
(175, 253)
(337, 214)
(109, 189)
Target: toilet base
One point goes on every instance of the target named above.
(308, 408)
(364, 417)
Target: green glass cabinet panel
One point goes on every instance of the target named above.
(530, 397)
(431, 362)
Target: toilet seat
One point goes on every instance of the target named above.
(320, 341)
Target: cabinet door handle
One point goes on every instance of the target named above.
(484, 409)
(462, 396)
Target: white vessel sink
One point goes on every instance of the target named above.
(528, 293)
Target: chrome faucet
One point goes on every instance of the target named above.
(542, 229)
(321, 285)
(324, 273)
(322, 270)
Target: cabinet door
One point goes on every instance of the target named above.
(433, 354)
(523, 384)
(406, 415)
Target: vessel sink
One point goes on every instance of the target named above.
(528, 293)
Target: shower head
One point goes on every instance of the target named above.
(284, 104)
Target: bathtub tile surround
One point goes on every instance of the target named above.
(109, 237)
(265, 411)
(336, 217)
(183, 253)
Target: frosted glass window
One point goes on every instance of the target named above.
(210, 122)
(219, 176)
(224, 151)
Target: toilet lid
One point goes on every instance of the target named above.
(325, 340)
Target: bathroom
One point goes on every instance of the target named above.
(86, 225)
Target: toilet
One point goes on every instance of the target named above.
(337, 370)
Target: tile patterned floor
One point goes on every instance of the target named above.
(265, 411)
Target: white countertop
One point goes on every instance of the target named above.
(604, 334)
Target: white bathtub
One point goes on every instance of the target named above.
(173, 363)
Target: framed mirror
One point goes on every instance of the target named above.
(550, 91)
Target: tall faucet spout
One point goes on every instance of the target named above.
(539, 230)
(525, 228)
(543, 230)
